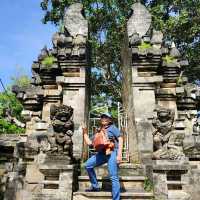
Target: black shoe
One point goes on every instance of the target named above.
(93, 189)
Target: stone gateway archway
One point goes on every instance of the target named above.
(45, 163)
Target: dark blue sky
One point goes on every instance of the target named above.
(22, 35)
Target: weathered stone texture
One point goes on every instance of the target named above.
(140, 21)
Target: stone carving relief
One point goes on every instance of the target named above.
(167, 143)
(63, 126)
(54, 138)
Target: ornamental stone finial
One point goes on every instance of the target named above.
(140, 21)
(74, 21)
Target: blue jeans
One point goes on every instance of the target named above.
(99, 159)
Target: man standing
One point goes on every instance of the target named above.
(113, 159)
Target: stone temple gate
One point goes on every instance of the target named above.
(45, 162)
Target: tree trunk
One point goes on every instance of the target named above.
(127, 98)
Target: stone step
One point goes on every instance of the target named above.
(126, 182)
(125, 169)
(136, 195)
(178, 195)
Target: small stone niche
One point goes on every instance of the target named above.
(72, 72)
(51, 186)
(51, 178)
(174, 187)
(173, 176)
(7, 151)
(28, 160)
(194, 159)
(174, 181)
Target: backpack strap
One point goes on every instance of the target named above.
(114, 137)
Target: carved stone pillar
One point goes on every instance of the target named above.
(146, 56)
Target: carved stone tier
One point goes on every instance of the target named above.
(53, 179)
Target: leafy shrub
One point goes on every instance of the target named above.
(144, 45)
(179, 81)
(169, 59)
(22, 81)
(8, 128)
(48, 61)
(9, 101)
(148, 185)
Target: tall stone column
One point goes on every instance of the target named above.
(73, 61)
(146, 56)
(75, 94)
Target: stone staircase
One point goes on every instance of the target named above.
(132, 181)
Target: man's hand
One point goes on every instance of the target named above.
(85, 131)
(85, 135)
(84, 128)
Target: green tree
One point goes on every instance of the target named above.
(179, 21)
(20, 78)
(8, 101)
(22, 81)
